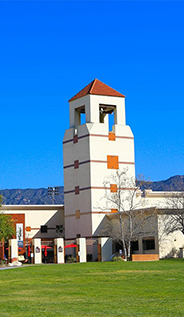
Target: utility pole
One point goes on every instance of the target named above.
(53, 191)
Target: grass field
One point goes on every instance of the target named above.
(94, 289)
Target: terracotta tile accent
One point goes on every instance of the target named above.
(113, 188)
(77, 190)
(99, 135)
(145, 257)
(88, 213)
(75, 139)
(112, 162)
(95, 187)
(112, 136)
(77, 214)
(114, 211)
(76, 164)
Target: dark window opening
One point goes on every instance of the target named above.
(82, 118)
(135, 245)
(107, 111)
(59, 228)
(148, 243)
(80, 115)
(43, 229)
(111, 121)
(118, 246)
(102, 115)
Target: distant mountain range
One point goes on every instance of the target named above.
(40, 196)
(31, 196)
(175, 183)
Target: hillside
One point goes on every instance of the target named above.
(40, 196)
(174, 183)
(31, 196)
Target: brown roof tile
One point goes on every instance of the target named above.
(96, 87)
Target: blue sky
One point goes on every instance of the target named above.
(52, 49)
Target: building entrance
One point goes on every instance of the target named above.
(47, 247)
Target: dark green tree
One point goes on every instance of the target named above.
(6, 225)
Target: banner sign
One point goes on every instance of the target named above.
(19, 234)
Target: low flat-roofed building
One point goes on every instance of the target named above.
(35, 221)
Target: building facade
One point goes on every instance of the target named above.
(98, 145)
(34, 221)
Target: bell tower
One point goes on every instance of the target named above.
(92, 151)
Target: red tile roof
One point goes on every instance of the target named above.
(96, 87)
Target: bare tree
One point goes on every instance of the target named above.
(128, 217)
(175, 213)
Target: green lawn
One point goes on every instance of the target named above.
(94, 289)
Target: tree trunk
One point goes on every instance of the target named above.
(125, 250)
(122, 236)
(129, 249)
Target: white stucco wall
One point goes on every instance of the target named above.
(169, 244)
(36, 216)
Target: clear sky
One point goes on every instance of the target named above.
(49, 50)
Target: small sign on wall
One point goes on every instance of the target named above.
(37, 250)
(60, 249)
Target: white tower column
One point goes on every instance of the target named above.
(105, 249)
(13, 250)
(81, 250)
(59, 251)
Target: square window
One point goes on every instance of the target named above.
(148, 243)
(135, 245)
(43, 229)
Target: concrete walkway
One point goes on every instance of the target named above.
(8, 267)
(2, 268)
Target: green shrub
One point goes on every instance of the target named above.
(2, 262)
(117, 259)
(70, 259)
